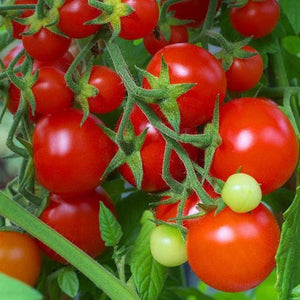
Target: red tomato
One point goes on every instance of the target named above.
(256, 18)
(232, 251)
(50, 91)
(77, 219)
(46, 45)
(111, 90)
(194, 10)
(258, 138)
(152, 153)
(72, 16)
(17, 27)
(152, 44)
(245, 73)
(70, 158)
(165, 212)
(141, 21)
(19, 257)
(191, 64)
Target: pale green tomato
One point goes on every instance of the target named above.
(168, 246)
(241, 192)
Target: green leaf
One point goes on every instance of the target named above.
(14, 289)
(111, 231)
(148, 274)
(292, 45)
(184, 293)
(288, 272)
(291, 9)
(68, 282)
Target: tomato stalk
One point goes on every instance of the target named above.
(102, 278)
(17, 7)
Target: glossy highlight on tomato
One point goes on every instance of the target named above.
(257, 139)
(256, 18)
(20, 256)
(141, 21)
(152, 153)
(189, 63)
(77, 219)
(231, 251)
(70, 158)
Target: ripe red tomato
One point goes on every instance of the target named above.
(111, 90)
(72, 16)
(45, 45)
(152, 44)
(152, 153)
(77, 219)
(232, 251)
(17, 27)
(50, 91)
(194, 10)
(141, 21)
(70, 158)
(258, 138)
(165, 212)
(256, 18)
(191, 64)
(245, 73)
(19, 257)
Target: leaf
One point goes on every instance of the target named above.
(288, 272)
(110, 229)
(68, 282)
(292, 45)
(184, 293)
(14, 289)
(291, 9)
(148, 274)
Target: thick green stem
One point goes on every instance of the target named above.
(102, 278)
(17, 7)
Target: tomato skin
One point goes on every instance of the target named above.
(165, 212)
(141, 21)
(77, 219)
(231, 251)
(17, 27)
(20, 257)
(194, 10)
(152, 153)
(258, 138)
(189, 63)
(72, 16)
(69, 158)
(45, 45)
(179, 34)
(245, 73)
(111, 90)
(256, 18)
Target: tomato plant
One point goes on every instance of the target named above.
(59, 139)
(256, 18)
(241, 192)
(111, 91)
(189, 63)
(254, 147)
(243, 247)
(77, 219)
(168, 246)
(46, 45)
(245, 73)
(20, 256)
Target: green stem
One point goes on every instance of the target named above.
(17, 7)
(102, 278)
(208, 22)
(164, 9)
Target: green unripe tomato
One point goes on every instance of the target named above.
(168, 246)
(241, 192)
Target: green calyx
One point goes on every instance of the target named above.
(230, 50)
(168, 105)
(112, 11)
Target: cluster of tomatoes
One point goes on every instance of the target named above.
(232, 250)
